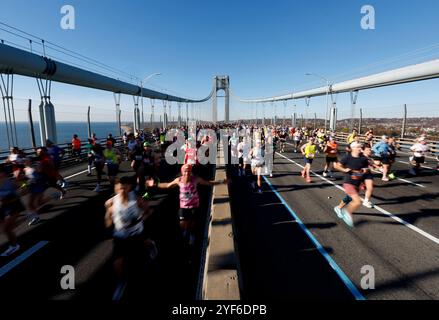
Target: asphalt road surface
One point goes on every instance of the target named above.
(399, 238)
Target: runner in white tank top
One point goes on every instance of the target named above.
(126, 212)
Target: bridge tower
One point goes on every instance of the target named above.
(221, 83)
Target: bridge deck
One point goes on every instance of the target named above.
(405, 257)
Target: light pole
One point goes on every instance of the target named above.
(141, 92)
(327, 94)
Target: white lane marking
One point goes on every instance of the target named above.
(404, 180)
(11, 265)
(400, 179)
(429, 157)
(406, 162)
(77, 174)
(385, 212)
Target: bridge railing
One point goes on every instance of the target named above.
(403, 143)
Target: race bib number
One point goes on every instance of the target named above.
(356, 176)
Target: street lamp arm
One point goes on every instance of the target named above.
(150, 76)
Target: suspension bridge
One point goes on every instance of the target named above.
(285, 243)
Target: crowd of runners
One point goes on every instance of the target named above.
(361, 157)
(29, 181)
(25, 179)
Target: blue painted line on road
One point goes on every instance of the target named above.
(11, 265)
(352, 288)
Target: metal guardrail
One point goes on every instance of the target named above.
(403, 143)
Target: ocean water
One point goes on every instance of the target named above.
(65, 131)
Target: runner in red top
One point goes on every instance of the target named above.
(49, 171)
(76, 148)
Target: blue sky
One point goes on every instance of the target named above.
(265, 47)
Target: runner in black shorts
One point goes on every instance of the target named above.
(355, 166)
(368, 176)
(331, 150)
(283, 139)
(187, 213)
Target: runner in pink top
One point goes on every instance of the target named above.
(189, 199)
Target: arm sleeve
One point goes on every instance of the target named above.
(344, 161)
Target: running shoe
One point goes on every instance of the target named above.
(337, 210)
(347, 218)
(308, 180)
(271, 175)
(368, 204)
(325, 174)
(392, 176)
(62, 194)
(412, 172)
(97, 189)
(259, 191)
(303, 173)
(385, 179)
(10, 250)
